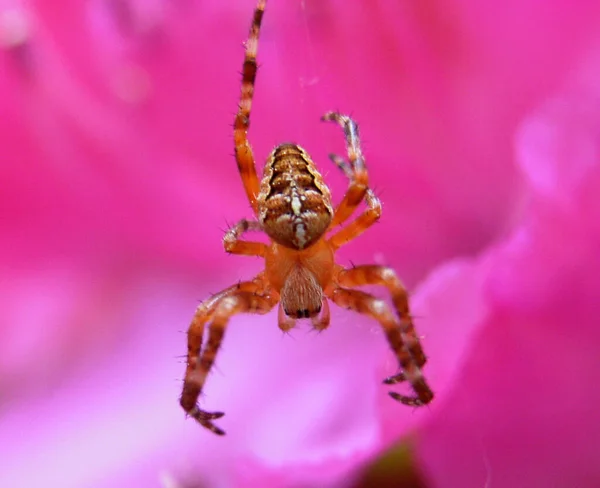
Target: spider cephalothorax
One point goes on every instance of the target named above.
(293, 207)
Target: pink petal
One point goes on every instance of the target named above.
(525, 412)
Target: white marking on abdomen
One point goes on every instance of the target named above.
(300, 235)
(296, 205)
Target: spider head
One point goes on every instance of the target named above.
(301, 295)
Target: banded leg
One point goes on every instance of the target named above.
(381, 275)
(364, 303)
(356, 172)
(243, 151)
(360, 224)
(234, 245)
(204, 313)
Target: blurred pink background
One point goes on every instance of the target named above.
(481, 129)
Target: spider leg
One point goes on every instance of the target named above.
(233, 244)
(356, 170)
(381, 275)
(360, 224)
(243, 151)
(243, 297)
(397, 337)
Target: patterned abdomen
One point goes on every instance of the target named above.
(294, 204)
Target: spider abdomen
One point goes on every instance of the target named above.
(294, 203)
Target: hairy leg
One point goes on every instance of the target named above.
(211, 310)
(233, 244)
(381, 275)
(361, 224)
(364, 303)
(356, 169)
(243, 150)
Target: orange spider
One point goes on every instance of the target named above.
(293, 207)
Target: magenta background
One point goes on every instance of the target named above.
(481, 128)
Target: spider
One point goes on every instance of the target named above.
(293, 206)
